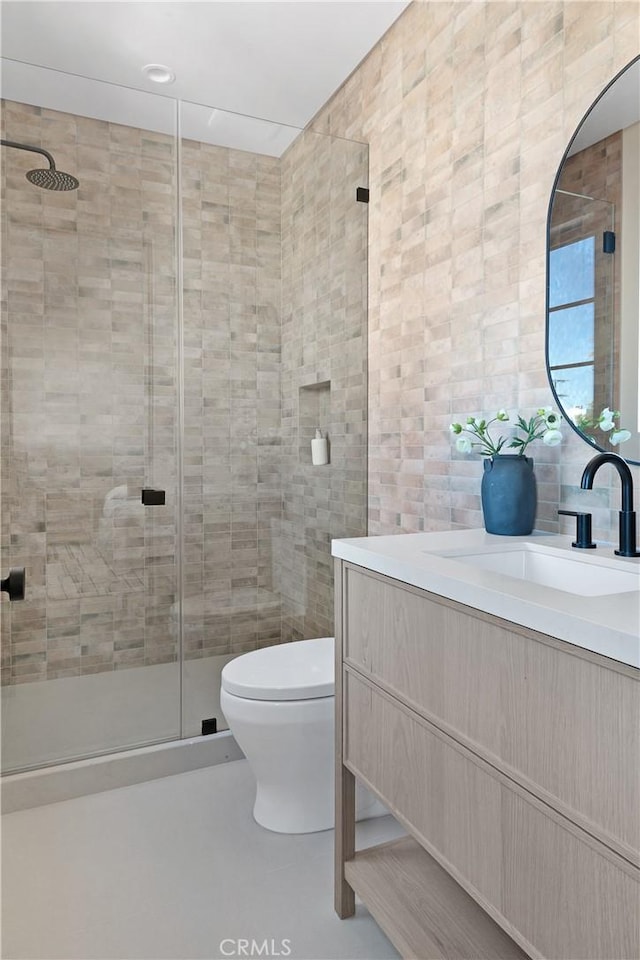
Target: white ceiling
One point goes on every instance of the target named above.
(616, 109)
(279, 61)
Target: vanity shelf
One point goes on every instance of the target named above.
(421, 908)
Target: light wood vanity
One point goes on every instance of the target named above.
(512, 759)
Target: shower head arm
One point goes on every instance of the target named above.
(24, 146)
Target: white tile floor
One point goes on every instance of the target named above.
(170, 869)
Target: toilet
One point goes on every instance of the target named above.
(279, 704)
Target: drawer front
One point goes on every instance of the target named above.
(451, 801)
(561, 894)
(562, 722)
(542, 879)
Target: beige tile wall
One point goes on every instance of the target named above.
(233, 445)
(467, 108)
(275, 324)
(324, 385)
(90, 413)
(89, 397)
(90, 393)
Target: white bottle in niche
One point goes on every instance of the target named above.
(319, 450)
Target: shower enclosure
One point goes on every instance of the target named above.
(173, 332)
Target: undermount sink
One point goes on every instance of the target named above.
(590, 576)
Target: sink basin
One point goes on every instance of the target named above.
(589, 576)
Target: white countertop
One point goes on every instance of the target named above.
(607, 624)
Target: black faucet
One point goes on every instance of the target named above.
(627, 514)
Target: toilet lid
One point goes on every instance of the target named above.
(302, 670)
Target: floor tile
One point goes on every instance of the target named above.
(175, 868)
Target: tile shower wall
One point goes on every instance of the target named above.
(275, 346)
(90, 394)
(324, 257)
(232, 444)
(89, 398)
(467, 108)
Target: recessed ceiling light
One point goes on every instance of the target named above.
(159, 73)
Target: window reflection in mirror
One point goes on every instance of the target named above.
(581, 330)
(593, 309)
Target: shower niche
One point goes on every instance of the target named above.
(314, 413)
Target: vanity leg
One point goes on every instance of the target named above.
(345, 832)
(345, 899)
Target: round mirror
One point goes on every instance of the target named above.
(593, 270)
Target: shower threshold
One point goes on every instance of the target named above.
(77, 778)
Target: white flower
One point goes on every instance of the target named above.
(543, 425)
(619, 436)
(606, 419)
(551, 418)
(552, 438)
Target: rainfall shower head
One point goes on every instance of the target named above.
(50, 179)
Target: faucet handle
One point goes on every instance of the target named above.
(583, 529)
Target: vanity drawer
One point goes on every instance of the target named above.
(535, 876)
(565, 725)
(448, 799)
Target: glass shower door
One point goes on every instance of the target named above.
(90, 658)
(274, 288)
(231, 214)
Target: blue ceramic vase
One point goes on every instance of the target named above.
(509, 495)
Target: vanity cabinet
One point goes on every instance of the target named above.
(512, 760)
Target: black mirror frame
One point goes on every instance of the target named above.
(591, 442)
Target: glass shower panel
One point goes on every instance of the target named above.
(89, 421)
(230, 192)
(274, 297)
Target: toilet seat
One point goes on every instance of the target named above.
(302, 670)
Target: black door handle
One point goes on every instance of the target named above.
(14, 583)
(152, 498)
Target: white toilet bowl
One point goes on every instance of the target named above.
(279, 704)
